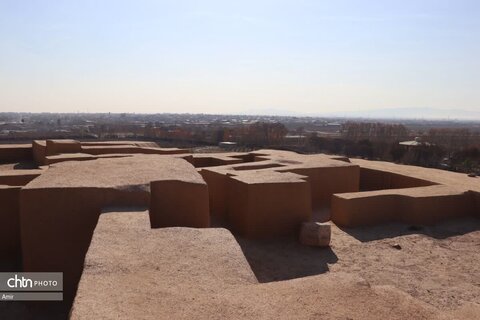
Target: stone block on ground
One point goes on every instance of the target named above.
(315, 234)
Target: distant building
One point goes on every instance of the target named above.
(417, 142)
(227, 144)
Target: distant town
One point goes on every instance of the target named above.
(448, 144)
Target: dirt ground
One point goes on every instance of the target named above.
(134, 272)
(439, 265)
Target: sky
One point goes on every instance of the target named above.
(298, 56)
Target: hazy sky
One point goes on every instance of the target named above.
(238, 56)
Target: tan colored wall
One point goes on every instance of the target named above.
(129, 149)
(63, 146)
(386, 208)
(9, 224)
(257, 166)
(432, 210)
(247, 157)
(268, 210)
(217, 193)
(178, 203)
(476, 197)
(62, 158)
(147, 144)
(238, 209)
(379, 180)
(15, 153)
(218, 186)
(365, 210)
(20, 178)
(202, 162)
(39, 148)
(97, 150)
(148, 150)
(57, 225)
(326, 181)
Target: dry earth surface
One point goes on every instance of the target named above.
(438, 265)
(387, 272)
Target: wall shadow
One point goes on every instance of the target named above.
(285, 258)
(442, 230)
(25, 165)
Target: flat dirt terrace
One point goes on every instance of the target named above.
(204, 275)
(438, 265)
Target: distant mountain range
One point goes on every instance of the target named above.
(387, 113)
(416, 113)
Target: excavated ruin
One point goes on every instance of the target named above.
(146, 232)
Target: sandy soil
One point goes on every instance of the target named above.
(439, 265)
(436, 270)
(389, 272)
